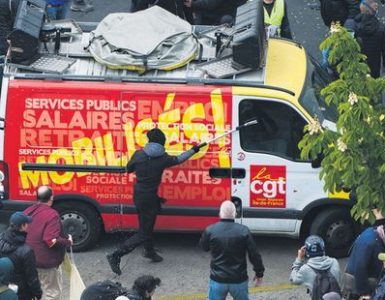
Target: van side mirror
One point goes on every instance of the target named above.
(316, 163)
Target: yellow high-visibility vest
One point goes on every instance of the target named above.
(277, 13)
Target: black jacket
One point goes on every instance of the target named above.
(229, 242)
(353, 8)
(7, 17)
(210, 12)
(370, 34)
(173, 6)
(285, 25)
(339, 10)
(12, 245)
(149, 164)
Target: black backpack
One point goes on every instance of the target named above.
(333, 11)
(324, 282)
(104, 290)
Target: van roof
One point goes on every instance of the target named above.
(85, 68)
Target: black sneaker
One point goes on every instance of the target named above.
(114, 262)
(155, 257)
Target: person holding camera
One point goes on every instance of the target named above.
(305, 273)
(148, 165)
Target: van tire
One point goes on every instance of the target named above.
(82, 221)
(338, 230)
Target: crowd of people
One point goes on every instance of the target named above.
(32, 249)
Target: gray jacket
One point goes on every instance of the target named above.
(302, 273)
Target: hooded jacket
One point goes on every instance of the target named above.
(6, 269)
(302, 273)
(12, 245)
(45, 227)
(149, 164)
(370, 34)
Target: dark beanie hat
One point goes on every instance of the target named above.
(156, 136)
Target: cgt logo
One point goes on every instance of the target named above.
(268, 186)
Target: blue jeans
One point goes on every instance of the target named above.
(219, 291)
(58, 12)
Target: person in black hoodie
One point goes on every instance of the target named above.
(148, 164)
(13, 246)
(370, 34)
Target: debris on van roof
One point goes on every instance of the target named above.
(109, 51)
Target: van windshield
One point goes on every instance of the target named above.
(316, 79)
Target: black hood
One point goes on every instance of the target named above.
(10, 240)
(366, 24)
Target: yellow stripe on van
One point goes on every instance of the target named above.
(339, 195)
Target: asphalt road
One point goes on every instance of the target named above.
(185, 269)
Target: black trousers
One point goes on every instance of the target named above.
(144, 235)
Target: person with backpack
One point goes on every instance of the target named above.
(320, 273)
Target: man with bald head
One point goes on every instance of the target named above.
(49, 242)
(229, 242)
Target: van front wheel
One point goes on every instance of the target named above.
(82, 222)
(338, 230)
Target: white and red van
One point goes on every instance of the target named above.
(96, 117)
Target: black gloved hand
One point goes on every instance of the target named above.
(196, 148)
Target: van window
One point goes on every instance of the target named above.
(278, 131)
(316, 79)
